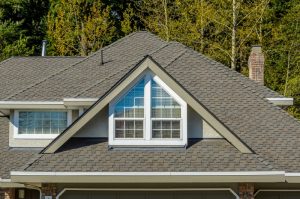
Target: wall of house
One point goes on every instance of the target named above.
(97, 127)
(197, 127)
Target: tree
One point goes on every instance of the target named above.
(21, 29)
(78, 27)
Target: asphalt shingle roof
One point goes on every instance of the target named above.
(17, 73)
(11, 159)
(239, 103)
(92, 155)
(82, 79)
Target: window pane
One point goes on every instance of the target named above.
(39, 122)
(129, 128)
(165, 128)
(139, 134)
(119, 134)
(162, 104)
(132, 104)
(165, 113)
(129, 113)
(156, 133)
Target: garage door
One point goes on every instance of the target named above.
(278, 195)
(147, 195)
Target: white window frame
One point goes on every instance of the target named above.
(147, 139)
(37, 136)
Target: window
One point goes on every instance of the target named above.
(129, 113)
(165, 113)
(149, 113)
(40, 124)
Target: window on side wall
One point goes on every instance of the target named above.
(148, 113)
(43, 124)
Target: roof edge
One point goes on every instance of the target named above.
(147, 177)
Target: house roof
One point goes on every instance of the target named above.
(92, 155)
(236, 101)
(11, 159)
(18, 73)
(88, 78)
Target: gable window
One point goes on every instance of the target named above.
(149, 113)
(40, 123)
(129, 113)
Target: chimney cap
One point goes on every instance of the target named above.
(256, 48)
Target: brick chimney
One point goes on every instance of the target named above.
(256, 64)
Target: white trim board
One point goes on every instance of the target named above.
(147, 177)
(282, 101)
(292, 177)
(147, 189)
(73, 103)
(147, 64)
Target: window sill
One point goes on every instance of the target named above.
(36, 136)
(148, 143)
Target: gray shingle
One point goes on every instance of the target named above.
(11, 159)
(234, 99)
(18, 73)
(91, 155)
(74, 80)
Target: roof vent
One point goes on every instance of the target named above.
(256, 64)
(44, 50)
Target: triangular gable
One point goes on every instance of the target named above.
(146, 64)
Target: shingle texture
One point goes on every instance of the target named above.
(83, 79)
(11, 159)
(17, 73)
(80, 154)
(236, 101)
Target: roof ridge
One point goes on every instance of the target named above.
(69, 66)
(133, 61)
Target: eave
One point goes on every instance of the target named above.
(147, 177)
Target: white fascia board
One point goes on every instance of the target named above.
(32, 105)
(284, 101)
(79, 101)
(292, 177)
(147, 177)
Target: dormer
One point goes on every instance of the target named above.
(148, 113)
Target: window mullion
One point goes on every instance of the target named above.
(147, 102)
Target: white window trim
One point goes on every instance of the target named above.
(148, 140)
(36, 136)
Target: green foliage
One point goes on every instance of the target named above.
(21, 27)
(78, 27)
